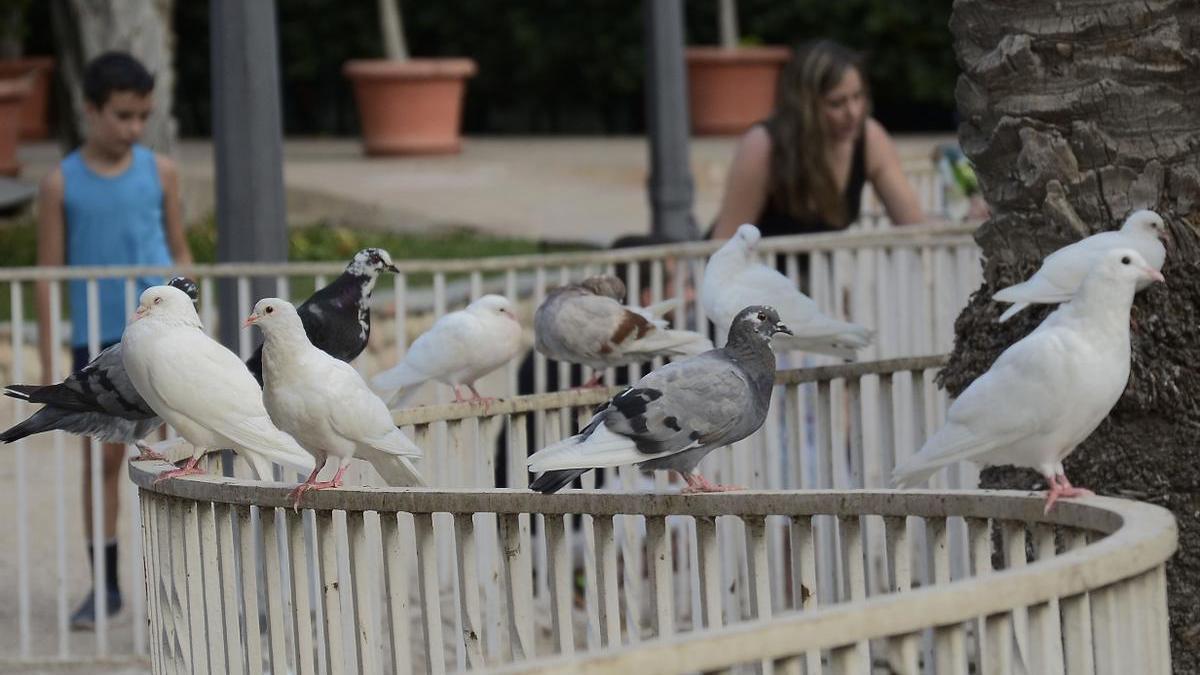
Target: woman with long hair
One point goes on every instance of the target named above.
(803, 169)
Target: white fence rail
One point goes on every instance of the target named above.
(908, 283)
(242, 583)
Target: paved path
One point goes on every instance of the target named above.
(556, 188)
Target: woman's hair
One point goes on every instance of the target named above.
(801, 183)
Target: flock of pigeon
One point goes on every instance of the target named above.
(297, 402)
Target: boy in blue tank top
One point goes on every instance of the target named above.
(110, 202)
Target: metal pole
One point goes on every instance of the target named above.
(667, 124)
(247, 147)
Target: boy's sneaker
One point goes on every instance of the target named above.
(84, 617)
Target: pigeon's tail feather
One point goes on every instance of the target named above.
(259, 436)
(396, 470)
(587, 451)
(952, 443)
(21, 391)
(396, 385)
(553, 481)
(102, 427)
(829, 346)
(824, 335)
(1037, 289)
(658, 309)
(1012, 311)
(672, 343)
(42, 420)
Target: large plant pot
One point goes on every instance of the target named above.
(13, 93)
(35, 112)
(410, 107)
(731, 89)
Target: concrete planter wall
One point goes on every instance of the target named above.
(731, 89)
(410, 107)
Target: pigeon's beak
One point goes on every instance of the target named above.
(1155, 275)
(250, 321)
(392, 268)
(780, 328)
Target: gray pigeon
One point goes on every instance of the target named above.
(586, 323)
(97, 400)
(677, 414)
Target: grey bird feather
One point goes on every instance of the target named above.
(585, 323)
(97, 400)
(677, 414)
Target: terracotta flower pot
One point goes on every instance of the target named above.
(410, 107)
(13, 93)
(731, 89)
(35, 115)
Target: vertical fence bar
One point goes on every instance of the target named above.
(294, 527)
(515, 542)
(212, 592)
(331, 593)
(561, 595)
(396, 569)
(468, 584)
(427, 570)
(365, 576)
(608, 587)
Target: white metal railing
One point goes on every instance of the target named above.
(862, 417)
(908, 283)
(242, 583)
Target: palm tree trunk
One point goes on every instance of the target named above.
(1075, 113)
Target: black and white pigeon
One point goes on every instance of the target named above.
(677, 414)
(1049, 391)
(97, 400)
(337, 318)
(586, 323)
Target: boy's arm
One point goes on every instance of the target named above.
(51, 235)
(173, 212)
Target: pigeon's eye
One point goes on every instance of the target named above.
(762, 316)
(1125, 260)
(270, 309)
(157, 300)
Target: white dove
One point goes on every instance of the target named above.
(1062, 271)
(1049, 391)
(734, 278)
(201, 388)
(325, 404)
(586, 323)
(458, 349)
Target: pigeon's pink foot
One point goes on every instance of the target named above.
(146, 454)
(1061, 488)
(187, 470)
(596, 382)
(487, 401)
(311, 484)
(458, 397)
(697, 484)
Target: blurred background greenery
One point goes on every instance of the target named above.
(557, 66)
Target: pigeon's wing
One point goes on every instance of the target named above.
(812, 330)
(587, 328)
(102, 386)
(684, 405)
(209, 385)
(445, 346)
(333, 326)
(1061, 272)
(1016, 398)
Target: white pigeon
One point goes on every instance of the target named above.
(325, 404)
(734, 278)
(586, 323)
(1062, 271)
(201, 388)
(457, 350)
(1049, 391)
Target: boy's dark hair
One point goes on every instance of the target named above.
(114, 71)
